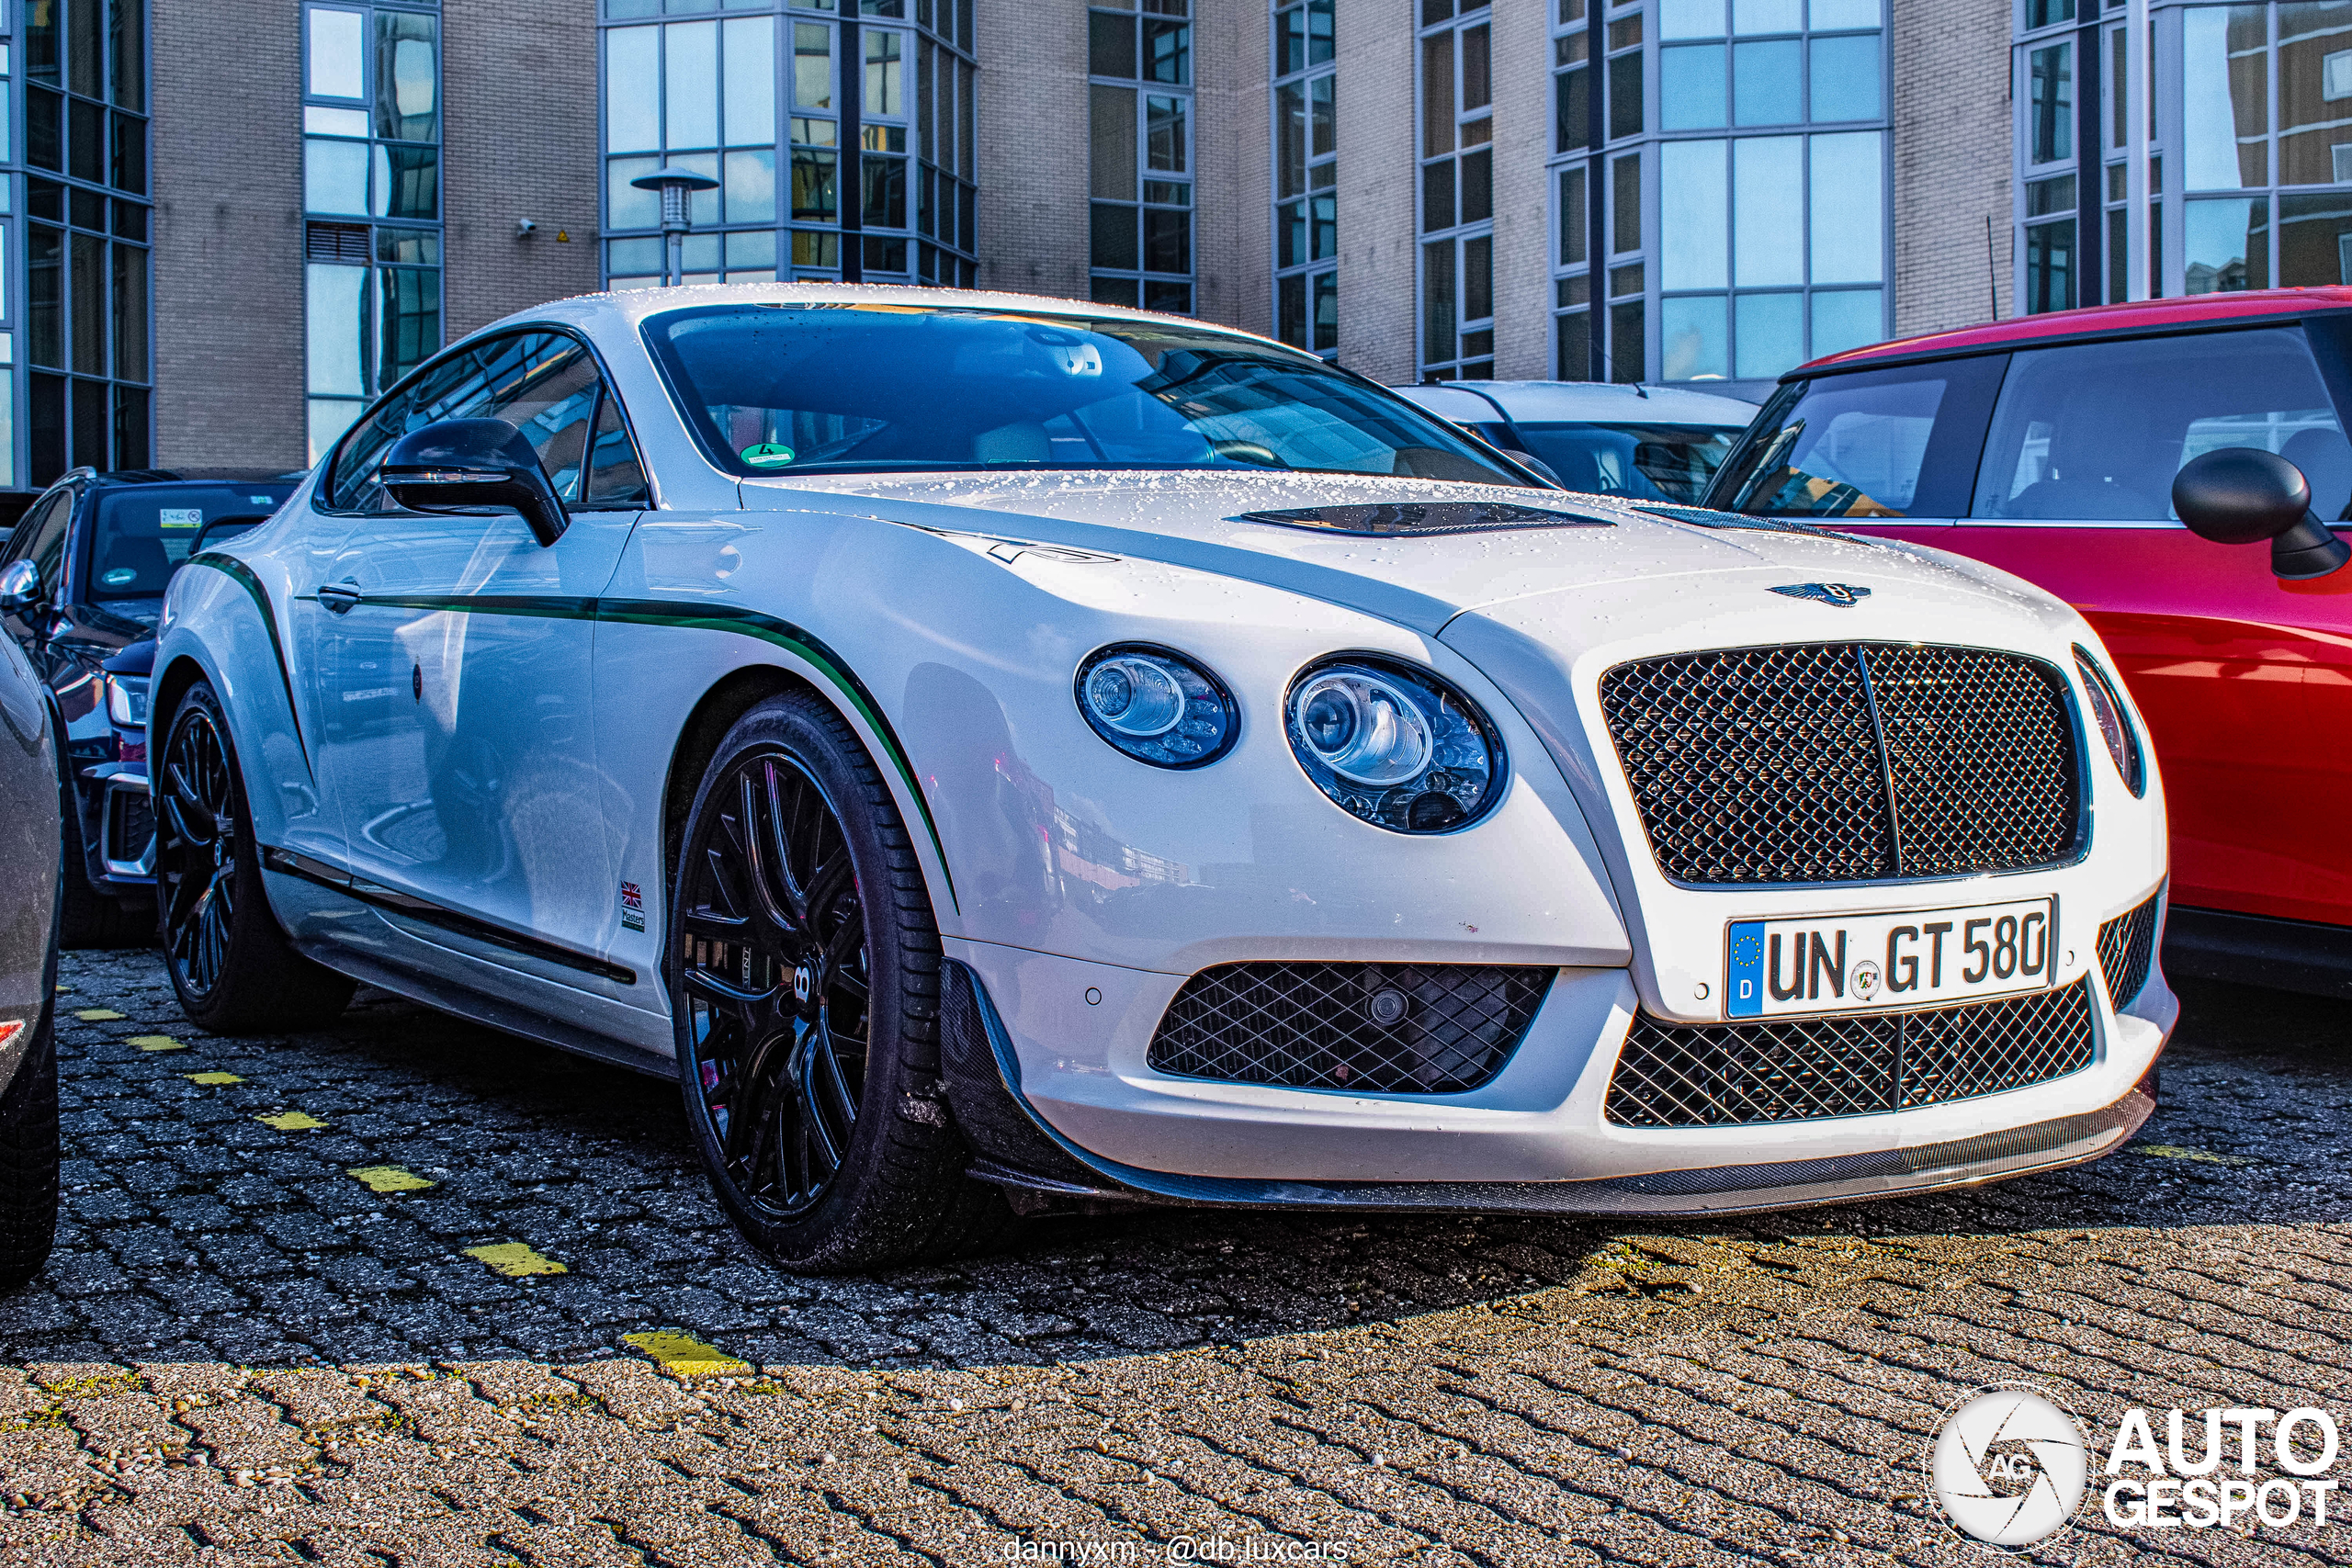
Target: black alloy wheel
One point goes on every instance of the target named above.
(776, 980)
(196, 853)
(228, 958)
(803, 964)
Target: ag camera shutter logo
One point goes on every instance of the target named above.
(2008, 1467)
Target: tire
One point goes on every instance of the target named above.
(229, 960)
(803, 965)
(29, 1145)
(87, 917)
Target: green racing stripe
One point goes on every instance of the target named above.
(241, 574)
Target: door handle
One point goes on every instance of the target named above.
(339, 597)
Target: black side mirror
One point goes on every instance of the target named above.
(470, 465)
(221, 528)
(19, 588)
(2243, 495)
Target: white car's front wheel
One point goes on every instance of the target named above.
(804, 974)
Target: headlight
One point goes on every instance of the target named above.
(1157, 706)
(127, 700)
(2107, 710)
(1394, 745)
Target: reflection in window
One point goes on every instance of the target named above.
(1307, 228)
(372, 295)
(1141, 121)
(1456, 104)
(2227, 245)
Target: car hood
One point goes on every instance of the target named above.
(1639, 568)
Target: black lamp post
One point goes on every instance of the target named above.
(673, 183)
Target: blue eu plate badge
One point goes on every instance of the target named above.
(1744, 994)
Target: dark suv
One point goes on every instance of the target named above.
(81, 587)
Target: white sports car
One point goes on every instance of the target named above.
(1003, 754)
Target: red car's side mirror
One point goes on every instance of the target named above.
(2242, 495)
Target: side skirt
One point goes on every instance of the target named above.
(475, 1007)
(2256, 950)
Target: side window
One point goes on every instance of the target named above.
(1898, 443)
(544, 386)
(2094, 432)
(351, 483)
(616, 476)
(44, 542)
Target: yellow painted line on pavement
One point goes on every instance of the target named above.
(687, 1356)
(2172, 1151)
(212, 1077)
(100, 1015)
(390, 1179)
(291, 1122)
(515, 1260)
(157, 1042)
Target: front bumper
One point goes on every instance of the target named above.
(118, 825)
(1092, 1122)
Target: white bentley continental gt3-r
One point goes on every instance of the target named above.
(1002, 755)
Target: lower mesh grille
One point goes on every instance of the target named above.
(2127, 948)
(1373, 1028)
(1733, 1075)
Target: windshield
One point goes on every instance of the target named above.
(785, 388)
(1894, 443)
(139, 534)
(1647, 462)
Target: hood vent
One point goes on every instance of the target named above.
(1419, 517)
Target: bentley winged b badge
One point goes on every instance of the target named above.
(1845, 595)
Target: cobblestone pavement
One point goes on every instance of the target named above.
(244, 1353)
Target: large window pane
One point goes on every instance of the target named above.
(884, 78)
(1625, 204)
(815, 186)
(88, 296)
(1325, 112)
(1690, 87)
(1767, 82)
(1848, 228)
(1846, 78)
(45, 296)
(1625, 95)
(1693, 338)
(1765, 16)
(1112, 112)
(1768, 205)
(751, 186)
(1572, 108)
(625, 206)
(407, 76)
(1109, 45)
(1115, 246)
(1628, 348)
(1165, 143)
(334, 298)
(690, 83)
(1769, 334)
(2315, 239)
(328, 419)
(2315, 93)
(750, 62)
(1690, 18)
(130, 313)
(1167, 52)
(1692, 223)
(632, 92)
(1847, 319)
(812, 65)
(1167, 239)
(408, 182)
(2225, 97)
(337, 44)
(2227, 246)
(1438, 303)
(1574, 223)
(1477, 278)
(1828, 14)
(2049, 281)
(2049, 111)
(334, 177)
(1437, 94)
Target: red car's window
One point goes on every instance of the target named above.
(2094, 432)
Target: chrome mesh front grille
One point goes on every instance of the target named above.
(2127, 949)
(1847, 762)
(1373, 1028)
(1800, 1069)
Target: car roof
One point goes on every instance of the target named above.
(2138, 317)
(1604, 402)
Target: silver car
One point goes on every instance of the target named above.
(29, 848)
(1642, 443)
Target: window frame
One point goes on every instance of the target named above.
(323, 485)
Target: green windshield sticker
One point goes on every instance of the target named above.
(767, 454)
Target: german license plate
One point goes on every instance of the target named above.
(1863, 963)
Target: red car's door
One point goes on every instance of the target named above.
(2245, 681)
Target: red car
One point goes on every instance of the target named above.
(2068, 448)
